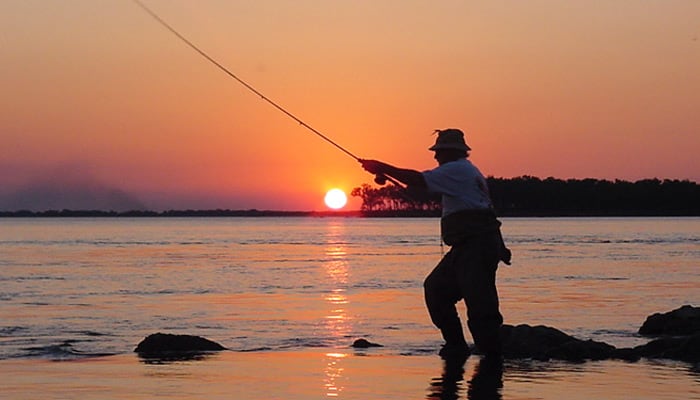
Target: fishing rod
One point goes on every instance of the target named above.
(379, 179)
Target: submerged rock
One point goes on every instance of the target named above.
(681, 321)
(519, 342)
(544, 343)
(681, 348)
(364, 344)
(680, 329)
(165, 344)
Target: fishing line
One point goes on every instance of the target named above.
(380, 179)
(241, 81)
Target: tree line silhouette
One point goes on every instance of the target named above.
(65, 213)
(532, 196)
(393, 198)
(521, 196)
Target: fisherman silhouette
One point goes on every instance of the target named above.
(469, 225)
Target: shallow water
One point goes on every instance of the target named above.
(317, 375)
(299, 288)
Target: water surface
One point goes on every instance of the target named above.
(72, 289)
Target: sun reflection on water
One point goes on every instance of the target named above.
(338, 324)
(334, 372)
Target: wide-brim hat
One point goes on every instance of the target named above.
(452, 139)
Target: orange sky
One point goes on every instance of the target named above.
(97, 91)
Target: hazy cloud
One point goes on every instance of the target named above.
(66, 186)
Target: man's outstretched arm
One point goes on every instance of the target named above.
(410, 177)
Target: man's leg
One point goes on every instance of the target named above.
(441, 294)
(479, 261)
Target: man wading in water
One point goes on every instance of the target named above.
(470, 227)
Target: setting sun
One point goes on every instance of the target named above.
(336, 199)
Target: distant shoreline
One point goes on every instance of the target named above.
(347, 214)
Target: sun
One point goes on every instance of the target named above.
(336, 199)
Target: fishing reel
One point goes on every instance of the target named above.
(380, 179)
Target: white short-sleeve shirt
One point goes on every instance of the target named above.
(461, 184)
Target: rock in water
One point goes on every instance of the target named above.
(364, 344)
(681, 321)
(167, 344)
(544, 343)
(682, 348)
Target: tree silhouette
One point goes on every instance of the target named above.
(529, 195)
(393, 198)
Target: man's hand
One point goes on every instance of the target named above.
(374, 167)
(383, 171)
